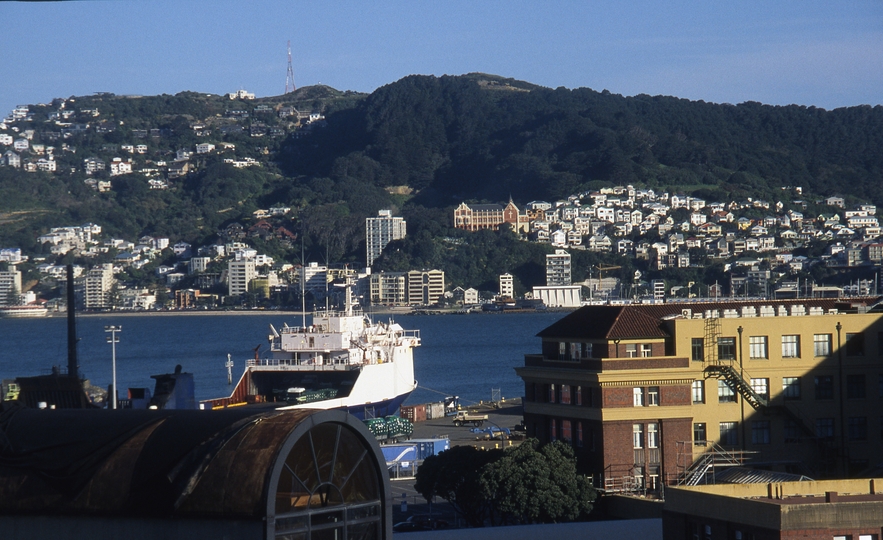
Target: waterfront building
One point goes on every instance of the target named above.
(653, 393)
(558, 268)
(10, 286)
(239, 275)
(388, 289)
(95, 287)
(507, 286)
(380, 231)
(425, 287)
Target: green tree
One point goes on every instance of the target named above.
(536, 484)
(453, 475)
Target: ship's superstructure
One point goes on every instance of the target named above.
(343, 360)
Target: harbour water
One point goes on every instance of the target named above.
(464, 355)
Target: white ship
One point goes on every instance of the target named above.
(341, 361)
(26, 311)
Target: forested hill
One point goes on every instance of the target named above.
(481, 137)
(419, 146)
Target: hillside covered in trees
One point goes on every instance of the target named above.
(420, 146)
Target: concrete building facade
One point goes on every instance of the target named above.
(380, 231)
(10, 286)
(558, 269)
(239, 275)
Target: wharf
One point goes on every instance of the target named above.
(508, 414)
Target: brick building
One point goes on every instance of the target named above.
(658, 393)
(474, 217)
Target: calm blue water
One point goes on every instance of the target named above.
(465, 355)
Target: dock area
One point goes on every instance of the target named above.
(507, 413)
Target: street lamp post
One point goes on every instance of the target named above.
(113, 340)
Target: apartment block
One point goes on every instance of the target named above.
(239, 275)
(380, 231)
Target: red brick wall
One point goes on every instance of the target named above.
(675, 395)
(617, 397)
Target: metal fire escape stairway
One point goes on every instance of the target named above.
(717, 369)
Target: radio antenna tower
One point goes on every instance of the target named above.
(289, 77)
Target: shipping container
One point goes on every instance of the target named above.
(414, 413)
(436, 410)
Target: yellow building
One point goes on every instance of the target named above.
(671, 392)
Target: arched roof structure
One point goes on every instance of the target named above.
(240, 472)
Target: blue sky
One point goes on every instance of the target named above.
(808, 52)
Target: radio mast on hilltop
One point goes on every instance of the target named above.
(289, 77)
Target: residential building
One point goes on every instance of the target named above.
(425, 287)
(645, 391)
(96, 286)
(507, 286)
(239, 275)
(388, 289)
(558, 268)
(10, 286)
(380, 231)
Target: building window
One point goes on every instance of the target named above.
(638, 397)
(652, 435)
(791, 431)
(579, 435)
(791, 346)
(586, 350)
(638, 435)
(699, 436)
(699, 391)
(631, 350)
(553, 430)
(578, 396)
(729, 434)
(824, 387)
(562, 350)
(855, 344)
(757, 347)
(857, 428)
(760, 432)
(565, 394)
(761, 387)
(552, 393)
(825, 428)
(791, 388)
(725, 393)
(646, 350)
(726, 348)
(855, 386)
(565, 431)
(653, 395)
(575, 349)
(822, 344)
(697, 346)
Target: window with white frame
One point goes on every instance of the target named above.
(821, 344)
(652, 435)
(761, 387)
(757, 347)
(698, 391)
(646, 350)
(791, 346)
(638, 397)
(631, 350)
(638, 435)
(653, 395)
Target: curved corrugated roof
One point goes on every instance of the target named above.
(141, 463)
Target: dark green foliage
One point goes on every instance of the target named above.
(523, 484)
